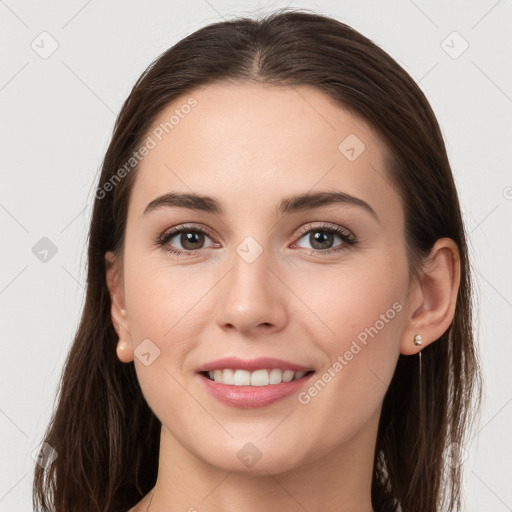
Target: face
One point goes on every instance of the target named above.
(252, 273)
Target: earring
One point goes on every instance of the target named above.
(418, 342)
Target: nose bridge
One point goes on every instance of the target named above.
(250, 274)
(251, 294)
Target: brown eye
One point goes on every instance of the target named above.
(191, 240)
(321, 239)
(183, 240)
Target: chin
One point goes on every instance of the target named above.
(253, 457)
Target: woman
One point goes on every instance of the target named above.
(278, 308)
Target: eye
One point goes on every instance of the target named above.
(187, 240)
(322, 238)
(182, 240)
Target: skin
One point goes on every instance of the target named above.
(250, 146)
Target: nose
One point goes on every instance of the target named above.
(252, 298)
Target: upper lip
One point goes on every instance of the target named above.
(251, 364)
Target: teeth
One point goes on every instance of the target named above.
(275, 376)
(256, 378)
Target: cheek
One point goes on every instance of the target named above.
(163, 305)
(161, 299)
(362, 318)
(350, 303)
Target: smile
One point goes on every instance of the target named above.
(263, 377)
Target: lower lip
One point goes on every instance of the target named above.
(248, 397)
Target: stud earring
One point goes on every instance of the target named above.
(418, 342)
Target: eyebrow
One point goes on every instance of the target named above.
(296, 203)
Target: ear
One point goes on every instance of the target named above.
(432, 297)
(117, 307)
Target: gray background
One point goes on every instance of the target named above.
(57, 112)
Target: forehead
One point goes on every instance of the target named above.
(246, 141)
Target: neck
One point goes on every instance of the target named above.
(336, 481)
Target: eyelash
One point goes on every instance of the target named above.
(344, 234)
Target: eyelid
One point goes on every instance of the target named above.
(185, 227)
(327, 226)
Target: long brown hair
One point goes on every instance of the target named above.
(105, 436)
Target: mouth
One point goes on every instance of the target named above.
(258, 378)
(260, 388)
(249, 383)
